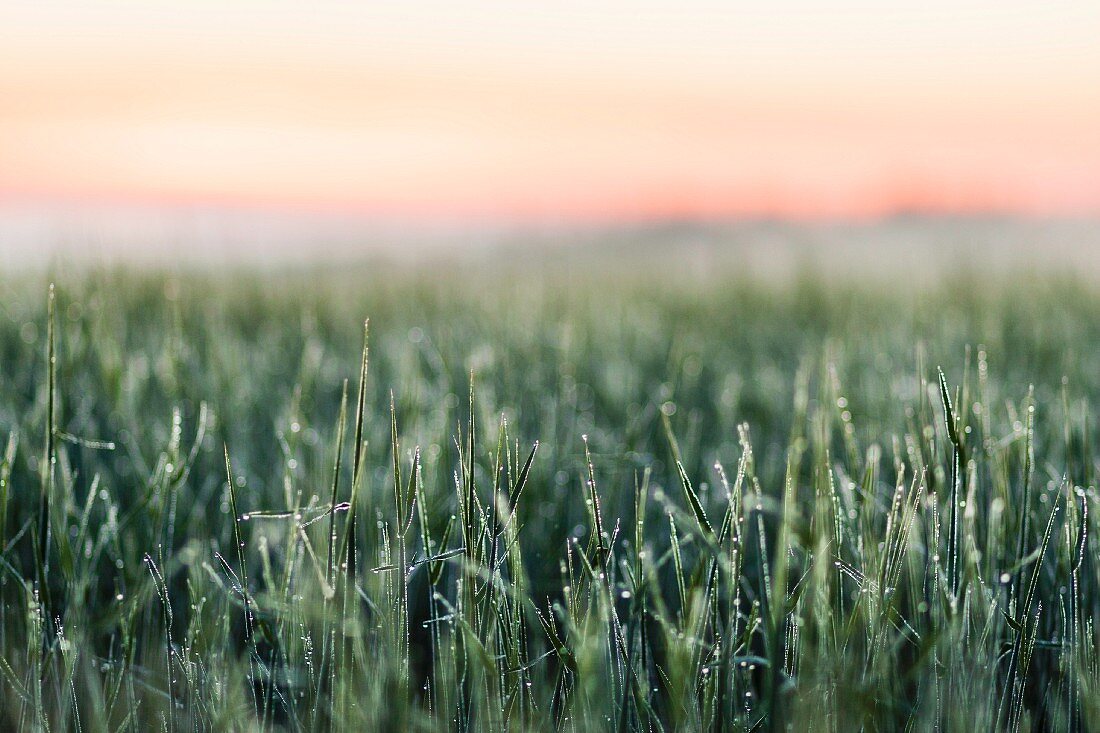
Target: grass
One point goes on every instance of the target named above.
(566, 502)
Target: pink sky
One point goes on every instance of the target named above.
(587, 111)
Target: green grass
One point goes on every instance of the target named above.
(547, 501)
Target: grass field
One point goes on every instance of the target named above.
(576, 500)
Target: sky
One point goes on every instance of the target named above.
(566, 111)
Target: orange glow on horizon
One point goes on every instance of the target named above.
(169, 113)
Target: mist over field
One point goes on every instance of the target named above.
(913, 245)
